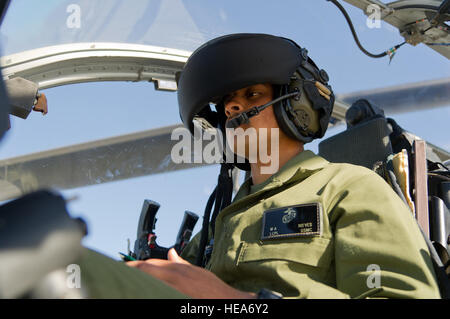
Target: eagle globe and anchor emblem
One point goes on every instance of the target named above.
(289, 215)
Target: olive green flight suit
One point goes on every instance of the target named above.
(369, 245)
(105, 278)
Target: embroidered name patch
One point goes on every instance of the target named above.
(292, 221)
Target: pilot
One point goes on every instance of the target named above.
(301, 228)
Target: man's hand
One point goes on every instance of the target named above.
(190, 280)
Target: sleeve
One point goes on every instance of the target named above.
(190, 252)
(379, 249)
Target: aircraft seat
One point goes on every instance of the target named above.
(372, 141)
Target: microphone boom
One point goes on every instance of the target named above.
(244, 117)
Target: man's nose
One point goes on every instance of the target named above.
(234, 107)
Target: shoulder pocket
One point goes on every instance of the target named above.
(316, 252)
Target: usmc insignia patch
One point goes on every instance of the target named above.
(292, 221)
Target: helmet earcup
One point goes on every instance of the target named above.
(285, 123)
(307, 117)
(296, 116)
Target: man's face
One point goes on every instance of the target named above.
(243, 100)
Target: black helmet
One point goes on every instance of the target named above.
(235, 61)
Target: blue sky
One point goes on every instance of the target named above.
(91, 111)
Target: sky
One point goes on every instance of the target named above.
(90, 111)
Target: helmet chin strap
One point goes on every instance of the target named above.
(244, 117)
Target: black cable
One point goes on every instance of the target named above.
(226, 191)
(217, 205)
(439, 44)
(355, 36)
(205, 228)
(220, 198)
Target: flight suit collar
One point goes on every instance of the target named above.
(297, 168)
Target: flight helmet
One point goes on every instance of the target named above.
(231, 62)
